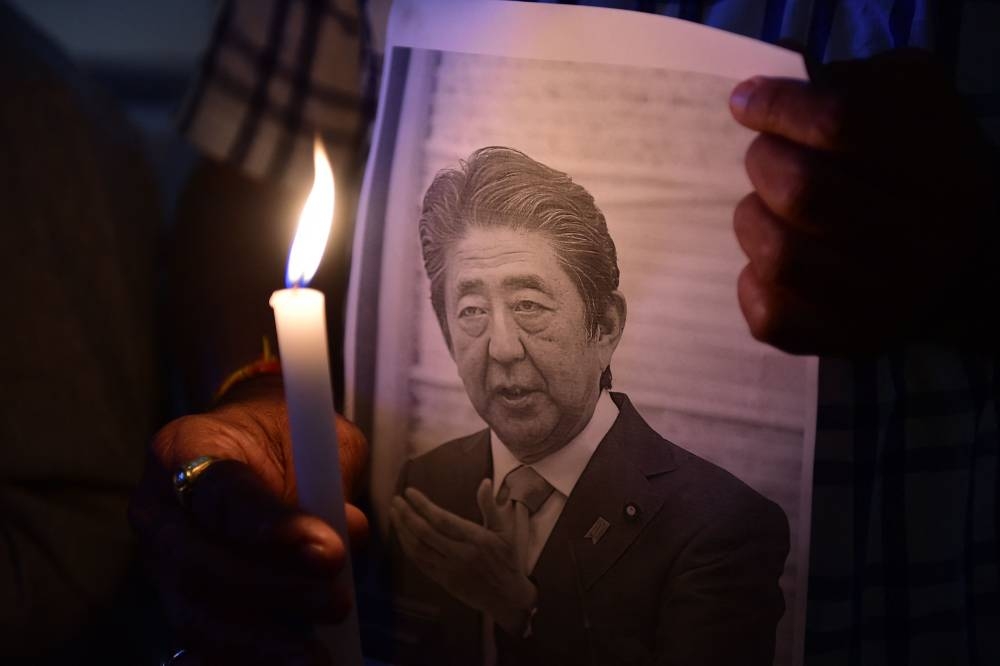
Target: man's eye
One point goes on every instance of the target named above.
(527, 307)
(471, 311)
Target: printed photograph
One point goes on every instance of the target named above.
(580, 455)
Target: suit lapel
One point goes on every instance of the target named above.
(613, 488)
(464, 479)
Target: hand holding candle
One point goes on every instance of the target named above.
(300, 316)
(240, 568)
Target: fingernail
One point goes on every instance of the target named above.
(317, 556)
(740, 96)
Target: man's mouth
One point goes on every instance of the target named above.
(514, 396)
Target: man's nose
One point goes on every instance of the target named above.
(505, 339)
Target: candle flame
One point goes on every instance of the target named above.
(314, 223)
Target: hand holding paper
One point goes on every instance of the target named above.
(872, 208)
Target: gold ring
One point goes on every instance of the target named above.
(185, 477)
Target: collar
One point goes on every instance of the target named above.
(562, 469)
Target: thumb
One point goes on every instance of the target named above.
(498, 518)
(487, 505)
(800, 111)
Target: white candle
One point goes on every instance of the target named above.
(300, 317)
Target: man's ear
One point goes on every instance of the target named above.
(612, 323)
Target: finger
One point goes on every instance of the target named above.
(488, 505)
(231, 503)
(227, 434)
(445, 522)
(818, 192)
(419, 551)
(782, 317)
(774, 315)
(357, 526)
(168, 531)
(229, 506)
(498, 518)
(802, 112)
(207, 571)
(780, 253)
(423, 530)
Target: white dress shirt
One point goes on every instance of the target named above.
(562, 469)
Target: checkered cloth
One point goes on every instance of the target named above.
(275, 75)
(905, 504)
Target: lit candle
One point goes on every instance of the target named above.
(300, 316)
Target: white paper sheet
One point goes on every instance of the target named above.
(633, 108)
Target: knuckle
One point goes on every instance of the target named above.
(773, 259)
(770, 101)
(761, 307)
(163, 441)
(784, 175)
(746, 217)
(793, 188)
(745, 209)
(765, 326)
(763, 239)
(170, 445)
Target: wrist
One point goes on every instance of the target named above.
(515, 618)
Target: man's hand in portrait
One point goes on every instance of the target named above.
(478, 564)
(871, 219)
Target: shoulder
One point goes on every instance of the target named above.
(718, 516)
(442, 460)
(450, 474)
(703, 492)
(723, 500)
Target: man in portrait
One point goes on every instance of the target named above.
(568, 532)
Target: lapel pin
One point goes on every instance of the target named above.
(631, 512)
(597, 530)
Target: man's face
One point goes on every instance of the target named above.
(520, 339)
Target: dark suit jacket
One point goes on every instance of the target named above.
(690, 578)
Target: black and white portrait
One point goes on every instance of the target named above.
(568, 523)
(580, 455)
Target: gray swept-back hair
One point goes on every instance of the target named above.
(503, 187)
